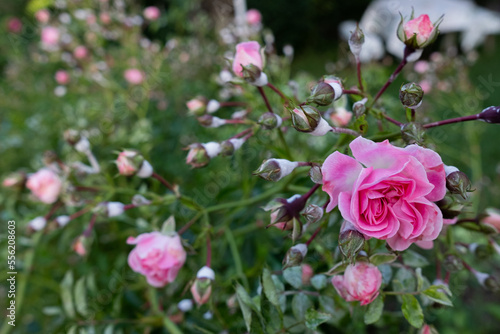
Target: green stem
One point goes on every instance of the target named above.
(236, 256)
(285, 145)
(245, 202)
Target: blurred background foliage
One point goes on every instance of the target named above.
(153, 119)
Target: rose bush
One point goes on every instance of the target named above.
(387, 192)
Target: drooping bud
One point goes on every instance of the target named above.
(213, 106)
(359, 108)
(453, 263)
(413, 133)
(199, 155)
(490, 115)
(275, 169)
(336, 84)
(254, 75)
(356, 41)
(294, 256)
(270, 120)
(351, 241)
(283, 211)
(411, 95)
(37, 223)
(197, 106)
(202, 286)
(313, 213)
(210, 121)
(15, 180)
(130, 162)
(458, 183)
(229, 146)
(322, 94)
(308, 119)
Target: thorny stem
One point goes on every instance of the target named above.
(263, 94)
(163, 181)
(452, 120)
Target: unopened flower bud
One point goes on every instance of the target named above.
(130, 162)
(490, 115)
(270, 120)
(210, 121)
(453, 263)
(315, 174)
(413, 133)
(79, 246)
(359, 108)
(418, 32)
(37, 223)
(185, 305)
(254, 75)
(202, 286)
(351, 241)
(197, 106)
(213, 106)
(275, 169)
(322, 94)
(71, 136)
(313, 213)
(62, 220)
(458, 183)
(294, 256)
(450, 207)
(139, 200)
(229, 146)
(356, 41)
(197, 156)
(14, 180)
(481, 251)
(336, 84)
(114, 209)
(308, 119)
(411, 95)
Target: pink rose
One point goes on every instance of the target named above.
(360, 281)
(246, 53)
(126, 164)
(387, 192)
(50, 35)
(80, 52)
(151, 13)
(14, 25)
(341, 117)
(134, 76)
(418, 33)
(42, 16)
(45, 185)
(254, 17)
(157, 256)
(62, 77)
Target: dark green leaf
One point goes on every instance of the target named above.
(374, 310)
(436, 294)
(269, 288)
(382, 258)
(66, 294)
(293, 276)
(315, 318)
(412, 311)
(413, 259)
(300, 304)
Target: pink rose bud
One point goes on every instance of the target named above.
(133, 76)
(131, 162)
(492, 219)
(307, 274)
(254, 17)
(426, 329)
(418, 33)
(370, 188)
(62, 77)
(275, 169)
(80, 52)
(79, 246)
(14, 180)
(202, 286)
(45, 185)
(360, 281)
(50, 36)
(42, 16)
(197, 106)
(158, 257)
(151, 13)
(341, 117)
(247, 53)
(14, 25)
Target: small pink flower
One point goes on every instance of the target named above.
(247, 53)
(134, 76)
(126, 163)
(493, 219)
(196, 104)
(307, 273)
(79, 246)
(42, 16)
(360, 281)
(341, 117)
(421, 26)
(421, 66)
(426, 86)
(151, 13)
(62, 77)
(387, 192)
(80, 52)
(105, 18)
(14, 25)
(50, 35)
(254, 17)
(45, 185)
(158, 257)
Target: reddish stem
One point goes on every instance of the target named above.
(392, 120)
(263, 94)
(209, 251)
(85, 188)
(188, 225)
(311, 191)
(129, 206)
(88, 231)
(438, 269)
(79, 213)
(242, 133)
(358, 69)
(163, 181)
(352, 91)
(53, 209)
(313, 236)
(248, 136)
(452, 120)
(279, 92)
(235, 121)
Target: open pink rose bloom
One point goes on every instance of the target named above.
(387, 192)
(157, 256)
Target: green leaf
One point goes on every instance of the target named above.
(330, 306)
(245, 301)
(412, 311)
(319, 281)
(168, 226)
(300, 304)
(269, 288)
(413, 259)
(293, 276)
(386, 272)
(434, 293)
(374, 310)
(315, 318)
(271, 315)
(81, 297)
(404, 281)
(337, 269)
(420, 279)
(66, 294)
(382, 258)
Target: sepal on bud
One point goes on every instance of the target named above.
(313, 213)
(490, 115)
(229, 146)
(254, 75)
(411, 95)
(322, 94)
(294, 256)
(356, 41)
(458, 183)
(351, 241)
(202, 286)
(413, 133)
(359, 107)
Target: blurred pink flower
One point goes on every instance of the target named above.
(247, 53)
(307, 273)
(42, 16)
(14, 25)
(134, 76)
(105, 18)
(341, 117)
(45, 185)
(80, 52)
(421, 66)
(426, 86)
(493, 218)
(254, 17)
(151, 13)
(360, 281)
(50, 35)
(157, 256)
(62, 77)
